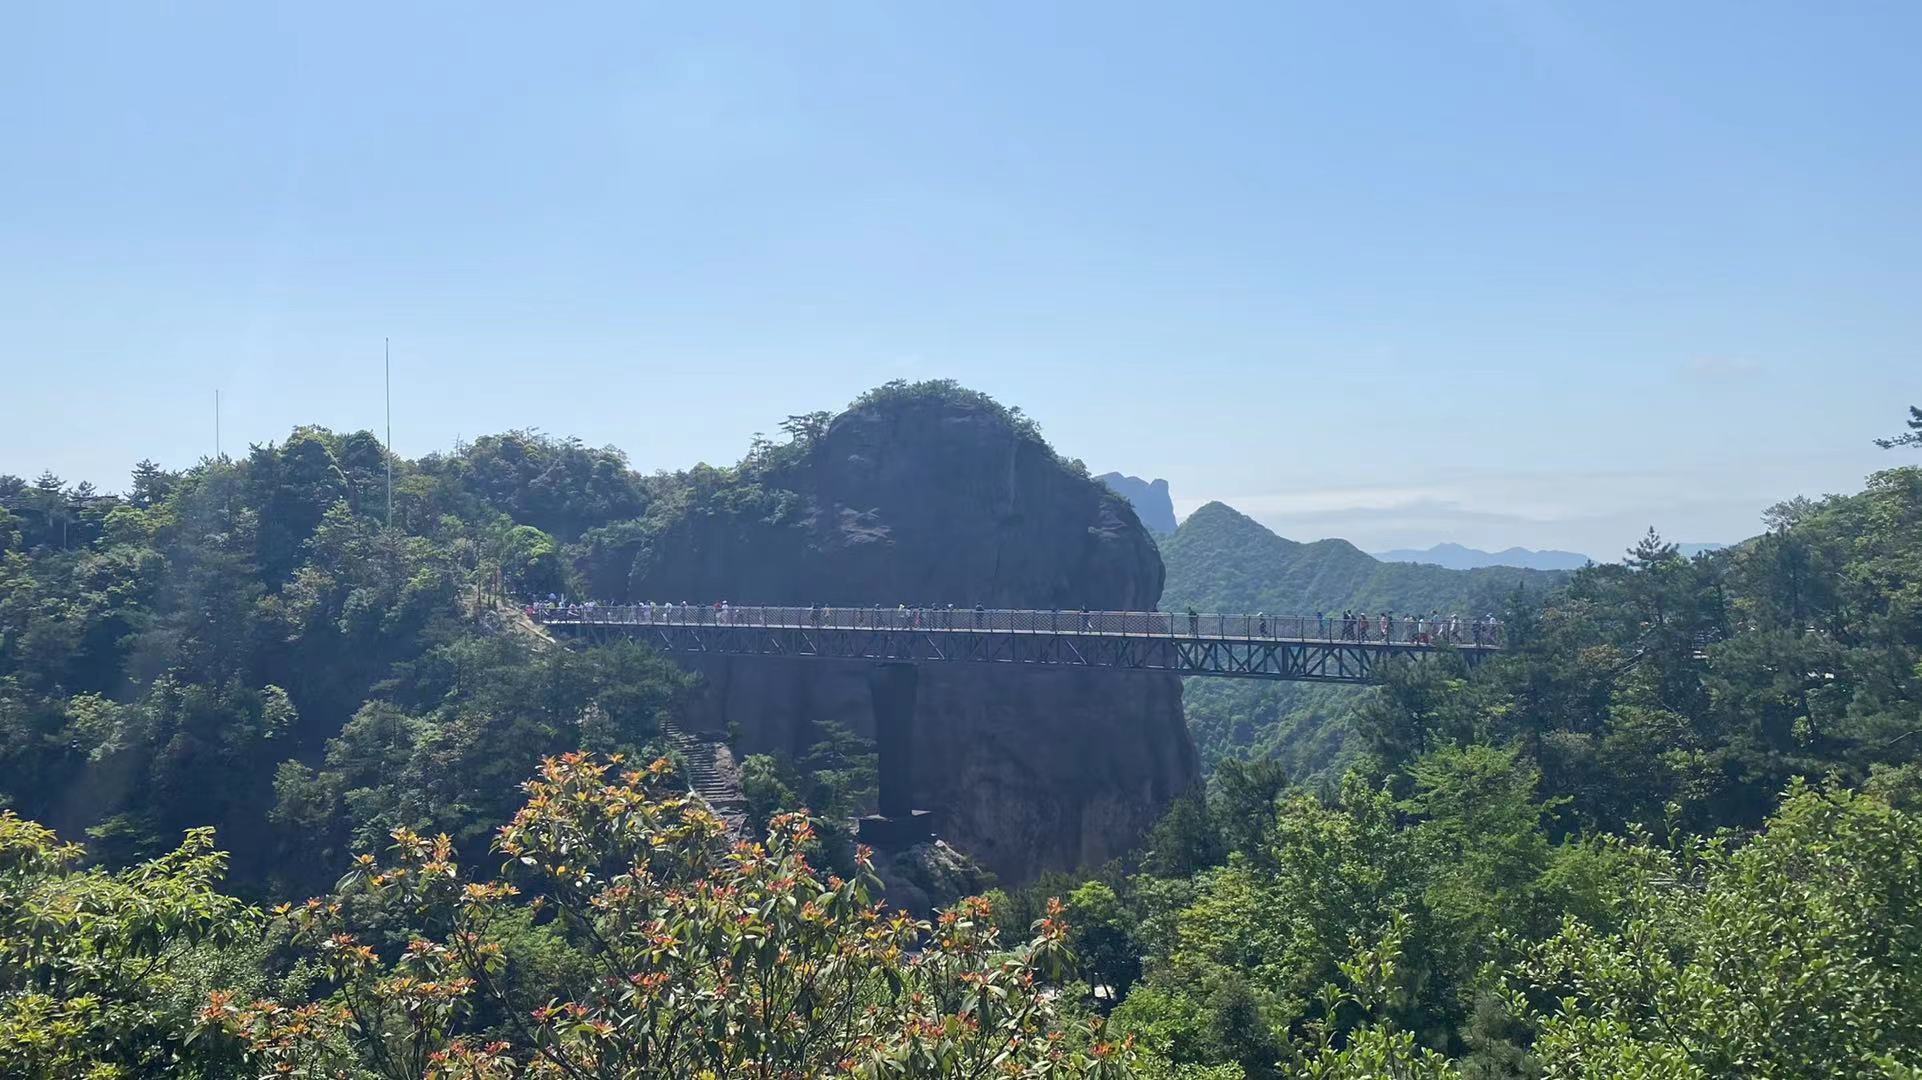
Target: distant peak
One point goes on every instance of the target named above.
(1221, 511)
(1149, 498)
(1218, 518)
(1336, 543)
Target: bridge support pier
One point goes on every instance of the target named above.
(899, 824)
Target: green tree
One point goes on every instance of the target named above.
(1797, 954)
(1103, 941)
(151, 484)
(100, 972)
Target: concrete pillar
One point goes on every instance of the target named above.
(893, 689)
(899, 824)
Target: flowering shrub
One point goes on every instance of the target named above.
(708, 960)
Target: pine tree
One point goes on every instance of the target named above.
(151, 483)
(49, 495)
(1652, 551)
(1913, 437)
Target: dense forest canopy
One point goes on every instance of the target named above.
(248, 644)
(1676, 831)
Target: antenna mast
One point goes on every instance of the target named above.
(387, 367)
(217, 454)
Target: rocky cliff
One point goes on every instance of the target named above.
(1149, 498)
(931, 494)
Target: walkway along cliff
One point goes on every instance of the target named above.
(931, 495)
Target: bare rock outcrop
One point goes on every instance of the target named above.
(1150, 499)
(931, 495)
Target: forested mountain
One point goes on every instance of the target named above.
(1674, 831)
(251, 644)
(1223, 560)
(253, 653)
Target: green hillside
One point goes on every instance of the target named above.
(1222, 560)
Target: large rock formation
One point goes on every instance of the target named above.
(934, 495)
(1149, 498)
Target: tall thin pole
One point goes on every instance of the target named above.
(216, 427)
(387, 368)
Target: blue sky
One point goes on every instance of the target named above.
(1501, 273)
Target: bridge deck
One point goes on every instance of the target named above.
(1297, 648)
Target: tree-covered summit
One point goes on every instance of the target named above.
(1223, 560)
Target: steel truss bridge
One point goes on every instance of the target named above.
(1294, 648)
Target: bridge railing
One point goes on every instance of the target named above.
(1395, 630)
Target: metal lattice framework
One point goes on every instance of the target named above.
(1223, 646)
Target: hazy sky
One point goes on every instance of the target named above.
(1501, 273)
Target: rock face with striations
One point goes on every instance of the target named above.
(932, 495)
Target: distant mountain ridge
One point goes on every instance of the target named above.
(1150, 498)
(1457, 557)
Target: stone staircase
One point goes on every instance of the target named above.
(712, 774)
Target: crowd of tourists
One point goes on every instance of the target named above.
(1434, 628)
(722, 613)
